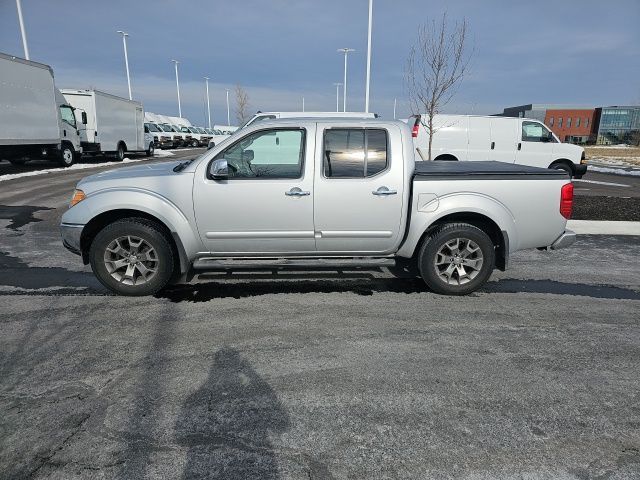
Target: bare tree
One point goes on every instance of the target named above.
(242, 105)
(436, 65)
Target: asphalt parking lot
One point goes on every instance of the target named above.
(331, 375)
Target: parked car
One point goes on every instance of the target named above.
(115, 125)
(217, 136)
(261, 116)
(176, 135)
(314, 194)
(36, 121)
(513, 140)
(160, 138)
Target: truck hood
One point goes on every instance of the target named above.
(128, 173)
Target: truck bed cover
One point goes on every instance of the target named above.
(425, 170)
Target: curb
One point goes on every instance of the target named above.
(602, 227)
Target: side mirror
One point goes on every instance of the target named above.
(84, 118)
(219, 170)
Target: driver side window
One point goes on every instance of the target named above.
(275, 153)
(535, 132)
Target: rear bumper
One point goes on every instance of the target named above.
(71, 233)
(579, 170)
(565, 240)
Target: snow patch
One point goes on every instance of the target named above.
(163, 153)
(75, 166)
(616, 171)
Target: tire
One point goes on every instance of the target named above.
(195, 143)
(562, 166)
(67, 155)
(150, 151)
(111, 259)
(120, 152)
(440, 244)
(18, 162)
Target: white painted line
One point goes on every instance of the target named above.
(602, 227)
(601, 183)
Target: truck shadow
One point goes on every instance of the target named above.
(346, 283)
(226, 424)
(16, 273)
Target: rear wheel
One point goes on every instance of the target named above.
(120, 153)
(18, 162)
(67, 155)
(456, 259)
(132, 257)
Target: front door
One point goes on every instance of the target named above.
(535, 145)
(266, 205)
(358, 190)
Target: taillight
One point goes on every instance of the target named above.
(566, 200)
(416, 127)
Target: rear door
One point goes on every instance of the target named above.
(358, 190)
(504, 139)
(479, 138)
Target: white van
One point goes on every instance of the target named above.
(505, 139)
(271, 115)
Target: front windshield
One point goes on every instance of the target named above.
(185, 130)
(152, 127)
(200, 130)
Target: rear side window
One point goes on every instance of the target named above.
(355, 153)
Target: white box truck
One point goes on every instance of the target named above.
(35, 119)
(504, 139)
(115, 125)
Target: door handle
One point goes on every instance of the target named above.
(384, 191)
(519, 146)
(493, 145)
(296, 192)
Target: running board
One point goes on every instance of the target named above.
(212, 264)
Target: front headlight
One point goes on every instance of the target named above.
(78, 196)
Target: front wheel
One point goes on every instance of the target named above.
(150, 151)
(67, 156)
(194, 143)
(132, 257)
(564, 167)
(456, 259)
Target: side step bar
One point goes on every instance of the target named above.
(213, 264)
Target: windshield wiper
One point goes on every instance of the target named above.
(182, 165)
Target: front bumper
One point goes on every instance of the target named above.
(565, 240)
(71, 233)
(579, 170)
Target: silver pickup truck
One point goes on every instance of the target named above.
(314, 194)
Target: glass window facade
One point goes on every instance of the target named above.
(619, 125)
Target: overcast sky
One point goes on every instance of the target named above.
(568, 51)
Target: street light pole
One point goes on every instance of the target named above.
(126, 59)
(176, 62)
(206, 79)
(337, 85)
(303, 104)
(22, 32)
(366, 94)
(346, 52)
(228, 116)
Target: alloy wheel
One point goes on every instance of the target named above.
(458, 261)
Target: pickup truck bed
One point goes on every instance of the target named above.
(483, 171)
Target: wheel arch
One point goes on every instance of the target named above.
(564, 161)
(446, 157)
(101, 220)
